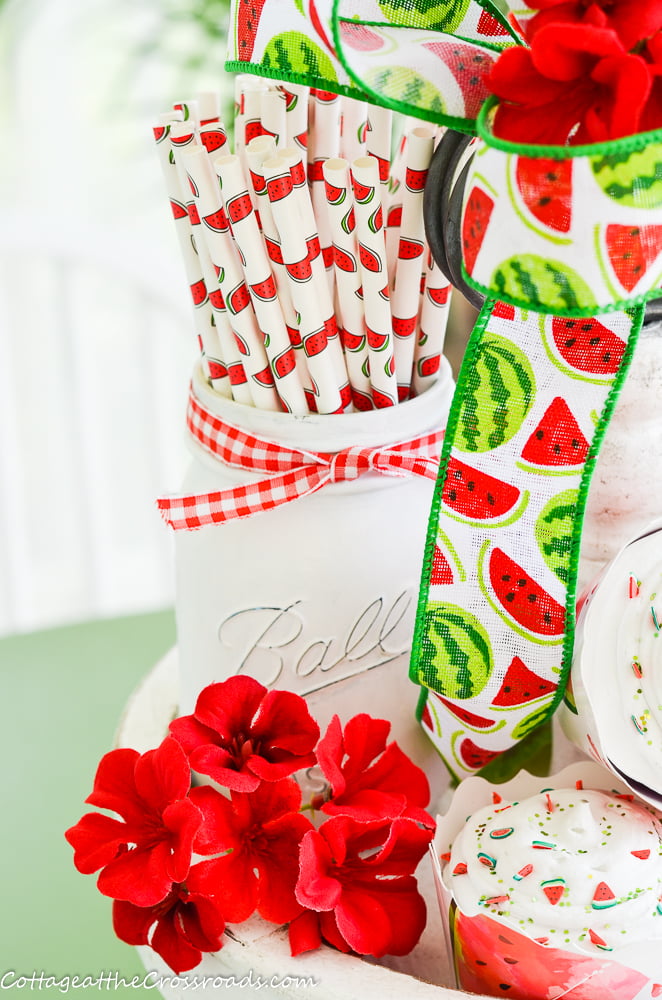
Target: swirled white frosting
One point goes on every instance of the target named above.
(617, 668)
(573, 868)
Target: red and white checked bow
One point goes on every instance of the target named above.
(292, 473)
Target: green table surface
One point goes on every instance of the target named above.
(62, 694)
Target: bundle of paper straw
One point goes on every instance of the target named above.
(304, 248)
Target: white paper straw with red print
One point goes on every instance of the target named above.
(314, 320)
(354, 128)
(340, 210)
(374, 278)
(323, 288)
(212, 362)
(432, 330)
(231, 281)
(323, 144)
(405, 298)
(228, 345)
(259, 150)
(260, 281)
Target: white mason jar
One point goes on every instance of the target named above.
(625, 494)
(318, 595)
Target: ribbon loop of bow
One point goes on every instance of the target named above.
(292, 473)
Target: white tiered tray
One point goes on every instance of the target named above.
(256, 952)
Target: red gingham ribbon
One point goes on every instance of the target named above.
(292, 473)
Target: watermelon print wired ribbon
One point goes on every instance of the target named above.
(292, 473)
(565, 243)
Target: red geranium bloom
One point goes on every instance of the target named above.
(179, 928)
(141, 855)
(241, 734)
(576, 83)
(359, 878)
(632, 20)
(370, 780)
(261, 831)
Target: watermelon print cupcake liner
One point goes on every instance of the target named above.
(568, 230)
(552, 891)
(611, 708)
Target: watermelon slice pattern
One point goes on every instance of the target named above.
(444, 76)
(553, 234)
(531, 420)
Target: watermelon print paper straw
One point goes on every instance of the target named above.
(228, 345)
(323, 144)
(432, 331)
(405, 299)
(296, 107)
(189, 111)
(230, 278)
(374, 277)
(213, 136)
(248, 99)
(340, 207)
(260, 281)
(314, 321)
(378, 144)
(205, 330)
(353, 129)
(323, 292)
(259, 150)
(209, 106)
(272, 116)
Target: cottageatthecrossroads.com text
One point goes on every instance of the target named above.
(150, 981)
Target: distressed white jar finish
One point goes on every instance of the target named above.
(625, 494)
(313, 594)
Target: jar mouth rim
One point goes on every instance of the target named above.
(332, 432)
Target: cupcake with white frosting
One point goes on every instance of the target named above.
(553, 888)
(613, 706)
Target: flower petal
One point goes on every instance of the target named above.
(304, 933)
(190, 733)
(96, 840)
(316, 889)
(132, 923)
(330, 752)
(219, 765)
(139, 876)
(229, 706)
(202, 922)
(628, 82)
(405, 846)
(221, 828)
(163, 775)
(365, 738)
(363, 922)
(169, 942)
(277, 863)
(231, 881)
(115, 785)
(567, 51)
(182, 820)
(283, 722)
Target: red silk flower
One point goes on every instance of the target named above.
(358, 878)
(141, 855)
(261, 831)
(577, 83)
(180, 928)
(370, 780)
(632, 20)
(241, 734)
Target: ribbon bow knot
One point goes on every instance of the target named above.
(291, 473)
